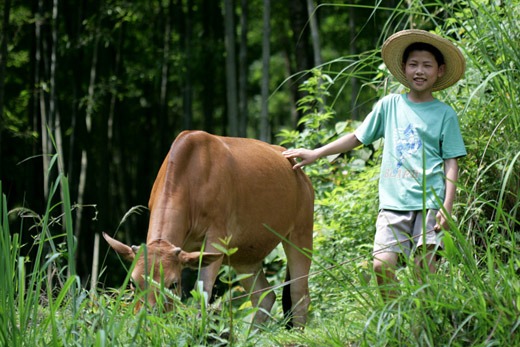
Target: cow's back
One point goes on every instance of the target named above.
(223, 186)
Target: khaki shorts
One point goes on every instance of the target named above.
(401, 231)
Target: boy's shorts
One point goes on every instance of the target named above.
(401, 231)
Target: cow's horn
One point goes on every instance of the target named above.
(135, 249)
(177, 251)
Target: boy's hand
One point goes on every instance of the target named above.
(442, 222)
(307, 156)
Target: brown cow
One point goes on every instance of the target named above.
(210, 188)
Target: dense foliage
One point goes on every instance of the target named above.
(473, 300)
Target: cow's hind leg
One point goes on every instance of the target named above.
(286, 300)
(256, 284)
(298, 266)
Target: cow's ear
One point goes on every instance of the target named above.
(192, 259)
(123, 250)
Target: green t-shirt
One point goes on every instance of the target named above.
(411, 129)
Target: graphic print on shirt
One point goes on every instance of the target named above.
(408, 143)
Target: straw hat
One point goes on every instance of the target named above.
(395, 45)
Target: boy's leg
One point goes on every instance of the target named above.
(428, 241)
(393, 231)
(385, 264)
(427, 259)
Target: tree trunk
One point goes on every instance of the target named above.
(314, 32)
(300, 34)
(243, 72)
(165, 69)
(315, 39)
(118, 171)
(88, 127)
(188, 83)
(39, 52)
(231, 75)
(264, 115)
(53, 109)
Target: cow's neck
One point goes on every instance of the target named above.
(165, 224)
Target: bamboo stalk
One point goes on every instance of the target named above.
(95, 265)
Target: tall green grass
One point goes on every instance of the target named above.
(34, 290)
(474, 298)
(42, 302)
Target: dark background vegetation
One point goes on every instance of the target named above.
(109, 84)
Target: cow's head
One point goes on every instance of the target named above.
(162, 267)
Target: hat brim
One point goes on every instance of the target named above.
(394, 47)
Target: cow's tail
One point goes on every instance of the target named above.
(286, 301)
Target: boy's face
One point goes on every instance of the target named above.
(422, 71)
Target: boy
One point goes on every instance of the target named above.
(422, 140)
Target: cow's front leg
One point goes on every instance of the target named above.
(257, 284)
(208, 276)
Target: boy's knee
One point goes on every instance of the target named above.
(378, 266)
(384, 262)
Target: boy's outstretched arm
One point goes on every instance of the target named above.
(451, 170)
(308, 156)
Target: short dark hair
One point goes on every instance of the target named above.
(423, 46)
